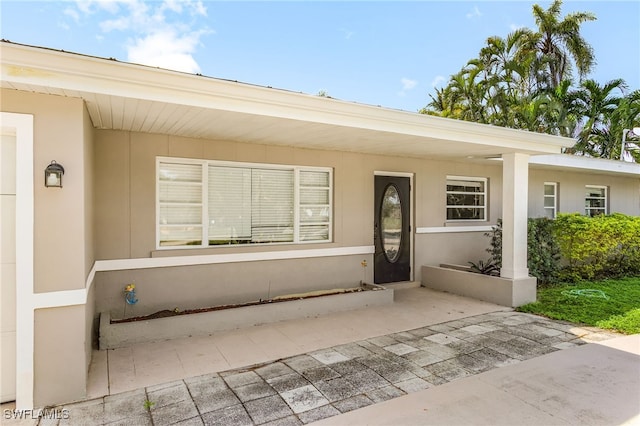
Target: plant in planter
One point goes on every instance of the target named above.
(490, 267)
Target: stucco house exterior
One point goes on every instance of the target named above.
(205, 192)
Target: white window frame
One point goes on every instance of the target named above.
(205, 207)
(554, 208)
(605, 209)
(485, 195)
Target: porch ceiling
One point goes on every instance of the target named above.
(124, 96)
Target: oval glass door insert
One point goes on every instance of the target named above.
(391, 223)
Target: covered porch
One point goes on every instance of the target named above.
(87, 111)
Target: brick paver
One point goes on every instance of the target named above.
(309, 387)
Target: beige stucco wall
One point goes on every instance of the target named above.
(63, 241)
(190, 287)
(125, 189)
(60, 221)
(88, 181)
(59, 355)
(125, 221)
(624, 192)
(456, 248)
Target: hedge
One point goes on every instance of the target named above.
(574, 247)
(598, 247)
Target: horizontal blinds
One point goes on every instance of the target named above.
(314, 233)
(315, 205)
(177, 172)
(314, 178)
(229, 203)
(180, 204)
(180, 235)
(209, 203)
(272, 205)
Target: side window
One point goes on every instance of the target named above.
(595, 200)
(466, 198)
(550, 199)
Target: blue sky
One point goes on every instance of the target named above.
(385, 53)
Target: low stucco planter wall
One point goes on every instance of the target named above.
(120, 335)
(498, 290)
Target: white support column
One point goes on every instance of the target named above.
(515, 184)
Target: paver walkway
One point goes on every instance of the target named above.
(305, 388)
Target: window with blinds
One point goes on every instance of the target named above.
(466, 198)
(210, 203)
(180, 204)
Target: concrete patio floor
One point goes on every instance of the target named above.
(430, 358)
(119, 370)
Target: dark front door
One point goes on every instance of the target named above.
(392, 230)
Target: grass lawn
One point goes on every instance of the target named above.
(610, 304)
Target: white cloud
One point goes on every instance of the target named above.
(347, 33)
(161, 34)
(407, 84)
(475, 13)
(439, 79)
(72, 13)
(165, 50)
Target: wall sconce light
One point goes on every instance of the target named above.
(53, 175)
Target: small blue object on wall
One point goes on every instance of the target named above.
(130, 294)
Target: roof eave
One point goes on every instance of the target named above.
(595, 165)
(38, 66)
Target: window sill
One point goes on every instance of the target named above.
(238, 248)
(454, 228)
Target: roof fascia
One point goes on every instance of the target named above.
(75, 72)
(597, 165)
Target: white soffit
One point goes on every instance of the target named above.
(123, 96)
(594, 165)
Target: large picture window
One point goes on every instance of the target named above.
(212, 203)
(466, 198)
(595, 201)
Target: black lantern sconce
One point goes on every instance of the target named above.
(53, 175)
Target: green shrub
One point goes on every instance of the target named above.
(574, 247)
(598, 247)
(543, 253)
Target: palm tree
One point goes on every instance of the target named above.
(467, 93)
(559, 43)
(597, 104)
(525, 81)
(439, 104)
(562, 113)
(503, 58)
(626, 116)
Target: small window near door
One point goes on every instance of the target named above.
(595, 201)
(466, 198)
(550, 199)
